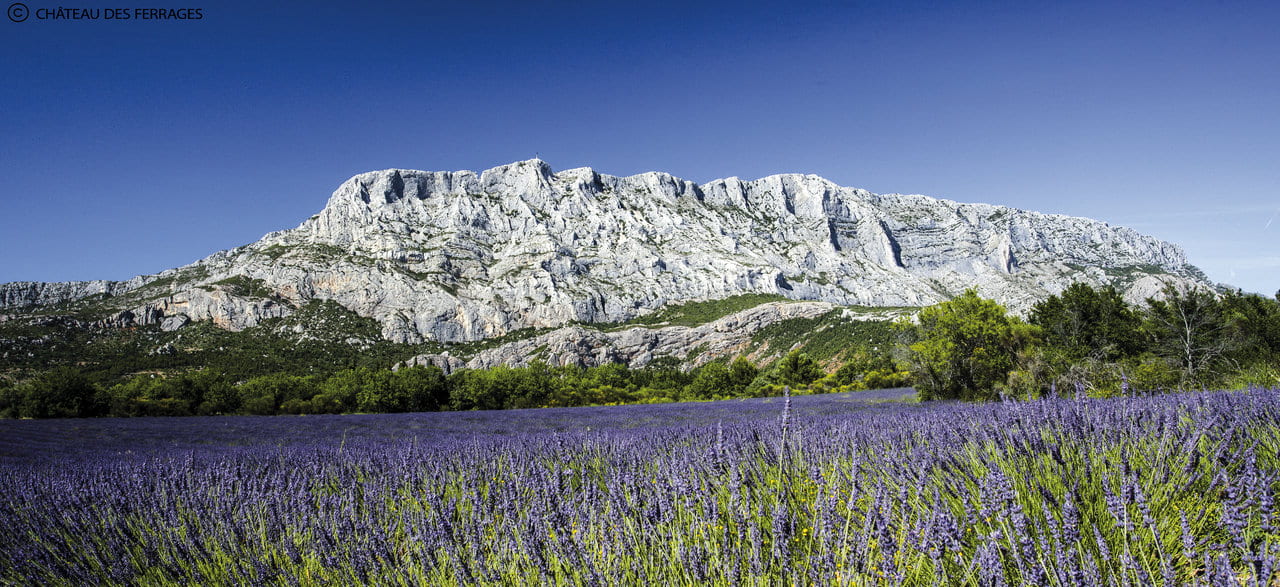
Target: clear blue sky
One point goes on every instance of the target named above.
(129, 147)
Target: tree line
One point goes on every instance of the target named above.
(1091, 341)
(69, 392)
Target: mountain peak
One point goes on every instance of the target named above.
(528, 166)
(460, 256)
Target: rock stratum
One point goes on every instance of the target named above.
(464, 256)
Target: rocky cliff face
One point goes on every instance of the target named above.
(460, 256)
(34, 293)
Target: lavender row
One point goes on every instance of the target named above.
(1175, 489)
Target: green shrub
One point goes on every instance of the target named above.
(966, 348)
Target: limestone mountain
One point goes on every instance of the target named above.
(460, 256)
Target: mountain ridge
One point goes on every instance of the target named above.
(463, 256)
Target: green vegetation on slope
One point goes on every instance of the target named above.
(243, 286)
(330, 338)
(827, 337)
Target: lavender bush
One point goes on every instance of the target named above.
(848, 489)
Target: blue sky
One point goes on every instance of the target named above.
(133, 146)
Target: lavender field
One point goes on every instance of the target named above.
(861, 488)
